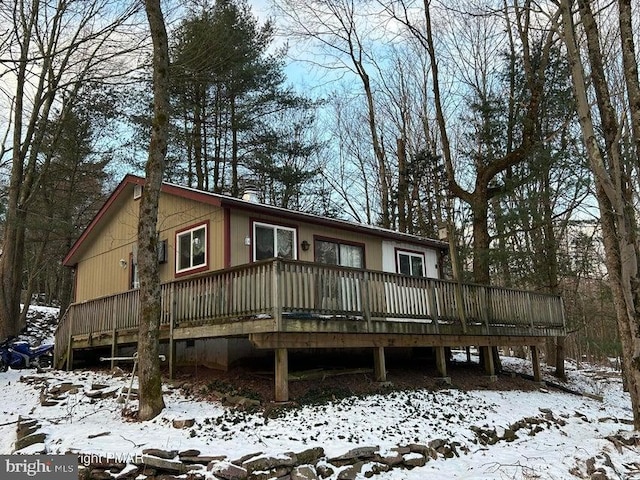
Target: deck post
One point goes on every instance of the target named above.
(441, 364)
(276, 304)
(489, 366)
(432, 305)
(172, 322)
(379, 364)
(535, 361)
(70, 343)
(366, 304)
(560, 372)
(282, 375)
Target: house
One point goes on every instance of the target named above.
(239, 276)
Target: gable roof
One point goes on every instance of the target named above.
(226, 201)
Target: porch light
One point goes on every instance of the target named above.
(305, 245)
(123, 263)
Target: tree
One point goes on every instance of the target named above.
(227, 91)
(612, 167)
(71, 192)
(150, 381)
(49, 50)
(334, 27)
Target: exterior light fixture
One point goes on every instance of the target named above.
(305, 245)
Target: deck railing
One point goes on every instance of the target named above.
(281, 288)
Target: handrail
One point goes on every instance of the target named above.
(276, 288)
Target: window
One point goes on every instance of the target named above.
(191, 249)
(335, 253)
(271, 241)
(411, 263)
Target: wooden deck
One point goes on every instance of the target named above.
(282, 304)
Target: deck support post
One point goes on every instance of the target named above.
(282, 375)
(560, 373)
(535, 361)
(489, 366)
(69, 364)
(379, 364)
(468, 351)
(441, 364)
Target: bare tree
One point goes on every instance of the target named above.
(335, 29)
(150, 391)
(613, 170)
(47, 51)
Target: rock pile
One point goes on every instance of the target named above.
(310, 464)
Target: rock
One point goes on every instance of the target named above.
(189, 453)
(391, 459)
(26, 427)
(509, 435)
(324, 470)
(310, 456)
(130, 471)
(163, 463)
(156, 452)
(351, 472)
(183, 423)
(414, 460)
(304, 472)
(401, 450)
(244, 458)
(97, 474)
(227, 471)
(417, 448)
(101, 434)
(375, 469)
(278, 472)
(270, 463)
(360, 453)
(202, 459)
(436, 444)
(29, 440)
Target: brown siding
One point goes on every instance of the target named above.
(99, 271)
(241, 228)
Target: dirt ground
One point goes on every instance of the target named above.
(319, 378)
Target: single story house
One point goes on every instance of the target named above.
(238, 276)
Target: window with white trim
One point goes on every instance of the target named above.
(191, 249)
(411, 263)
(271, 241)
(336, 253)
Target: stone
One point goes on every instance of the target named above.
(418, 448)
(401, 450)
(324, 470)
(360, 453)
(244, 458)
(163, 463)
(189, 453)
(310, 456)
(352, 472)
(156, 452)
(183, 423)
(270, 463)
(97, 474)
(202, 459)
(304, 472)
(277, 472)
(414, 460)
(391, 458)
(375, 469)
(436, 444)
(29, 440)
(227, 471)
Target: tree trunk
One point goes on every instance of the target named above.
(150, 381)
(617, 215)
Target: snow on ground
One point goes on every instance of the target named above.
(571, 431)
